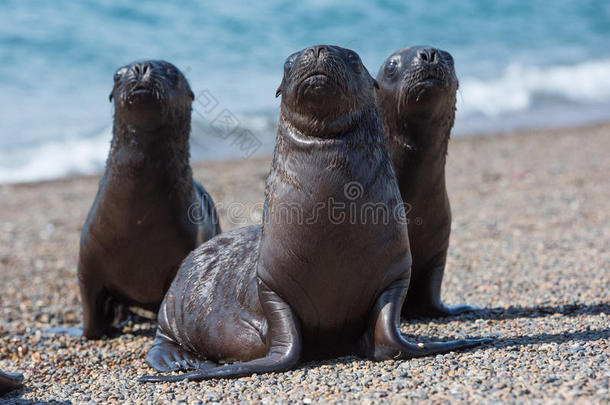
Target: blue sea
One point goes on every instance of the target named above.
(521, 64)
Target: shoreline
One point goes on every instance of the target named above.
(267, 157)
(529, 245)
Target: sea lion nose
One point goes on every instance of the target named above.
(142, 70)
(318, 49)
(428, 55)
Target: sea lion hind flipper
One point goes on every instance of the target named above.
(98, 308)
(166, 355)
(284, 346)
(9, 381)
(385, 340)
(424, 297)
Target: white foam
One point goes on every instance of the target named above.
(55, 159)
(515, 94)
(518, 87)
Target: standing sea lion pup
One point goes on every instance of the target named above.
(9, 381)
(325, 284)
(149, 213)
(416, 98)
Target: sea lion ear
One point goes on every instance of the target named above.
(375, 84)
(278, 92)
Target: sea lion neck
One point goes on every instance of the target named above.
(164, 150)
(418, 149)
(418, 134)
(320, 128)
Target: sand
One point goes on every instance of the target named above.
(529, 245)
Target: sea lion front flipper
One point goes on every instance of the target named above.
(285, 343)
(205, 216)
(9, 381)
(452, 310)
(384, 340)
(424, 296)
(166, 355)
(98, 309)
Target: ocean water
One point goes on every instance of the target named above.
(521, 64)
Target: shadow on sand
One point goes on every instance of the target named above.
(14, 397)
(516, 312)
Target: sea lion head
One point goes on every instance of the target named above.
(324, 88)
(419, 83)
(150, 93)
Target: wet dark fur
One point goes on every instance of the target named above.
(149, 213)
(417, 97)
(268, 298)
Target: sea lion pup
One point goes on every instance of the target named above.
(149, 213)
(9, 381)
(324, 284)
(416, 98)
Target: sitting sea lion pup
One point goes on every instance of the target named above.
(9, 381)
(416, 98)
(325, 284)
(149, 213)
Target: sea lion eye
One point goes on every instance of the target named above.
(288, 64)
(353, 58)
(390, 67)
(290, 61)
(119, 73)
(447, 56)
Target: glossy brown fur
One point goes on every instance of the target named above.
(322, 285)
(212, 307)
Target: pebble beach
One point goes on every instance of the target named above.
(529, 246)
